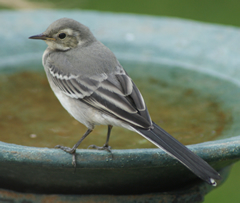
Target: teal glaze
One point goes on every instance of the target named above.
(99, 173)
(187, 53)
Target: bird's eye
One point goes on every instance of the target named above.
(62, 35)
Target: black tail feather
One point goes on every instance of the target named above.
(163, 140)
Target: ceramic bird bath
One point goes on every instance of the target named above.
(192, 58)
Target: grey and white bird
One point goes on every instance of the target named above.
(94, 88)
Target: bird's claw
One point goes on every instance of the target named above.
(66, 149)
(104, 147)
(74, 163)
(70, 151)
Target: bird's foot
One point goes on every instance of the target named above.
(70, 151)
(104, 147)
(66, 149)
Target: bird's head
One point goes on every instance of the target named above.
(65, 34)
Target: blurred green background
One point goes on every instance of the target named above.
(214, 11)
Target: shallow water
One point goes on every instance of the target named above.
(31, 115)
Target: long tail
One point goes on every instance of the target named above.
(163, 140)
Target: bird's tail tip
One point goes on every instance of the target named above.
(213, 182)
(197, 165)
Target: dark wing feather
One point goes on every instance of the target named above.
(117, 106)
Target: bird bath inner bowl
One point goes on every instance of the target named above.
(190, 83)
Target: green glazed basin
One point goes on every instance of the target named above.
(186, 54)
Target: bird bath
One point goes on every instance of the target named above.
(187, 72)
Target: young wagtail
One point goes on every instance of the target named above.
(94, 88)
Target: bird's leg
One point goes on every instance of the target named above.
(105, 146)
(73, 149)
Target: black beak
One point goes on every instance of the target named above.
(42, 37)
